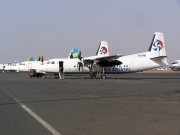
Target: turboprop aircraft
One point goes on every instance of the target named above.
(72, 64)
(2, 66)
(155, 57)
(25, 66)
(116, 64)
(175, 65)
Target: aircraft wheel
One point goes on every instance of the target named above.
(43, 76)
(103, 76)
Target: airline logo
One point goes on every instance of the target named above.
(157, 45)
(74, 53)
(103, 50)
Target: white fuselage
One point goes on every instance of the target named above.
(2, 66)
(130, 63)
(135, 63)
(23, 66)
(68, 66)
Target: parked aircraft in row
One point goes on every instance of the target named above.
(103, 64)
(175, 65)
(24, 66)
(153, 58)
(2, 66)
(71, 65)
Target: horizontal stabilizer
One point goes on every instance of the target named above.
(158, 58)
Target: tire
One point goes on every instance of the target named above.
(103, 76)
(43, 76)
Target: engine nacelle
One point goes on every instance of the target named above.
(109, 63)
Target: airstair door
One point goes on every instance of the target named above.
(60, 66)
(29, 66)
(61, 73)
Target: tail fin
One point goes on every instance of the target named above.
(157, 46)
(103, 49)
(40, 58)
(73, 54)
(31, 59)
(15, 62)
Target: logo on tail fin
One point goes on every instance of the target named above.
(74, 53)
(103, 50)
(158, 45)
(40, 58)
(31, 59)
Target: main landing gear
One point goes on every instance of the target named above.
(98, 74)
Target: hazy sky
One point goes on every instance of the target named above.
(53, 27)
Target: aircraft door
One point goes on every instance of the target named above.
(61, 66)
(29, 66)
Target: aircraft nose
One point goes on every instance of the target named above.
(173, 67)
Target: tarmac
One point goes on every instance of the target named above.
(124, 104)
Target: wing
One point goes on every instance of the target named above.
(104, 61)
(109, 58)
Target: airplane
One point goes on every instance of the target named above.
(175, 65)
(24, 66)
(2, 66)
(70, 65)
(115, 64)
(155, 57)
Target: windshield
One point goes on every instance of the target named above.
(22, 64)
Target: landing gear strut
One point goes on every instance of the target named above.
(93, 75)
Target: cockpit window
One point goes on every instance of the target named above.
(22, 64)
(52, 62)
(176, 62)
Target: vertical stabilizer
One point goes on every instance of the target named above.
(157, 46)
(73, 54)
(31, 59)
(41, 58)
(103, 49)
